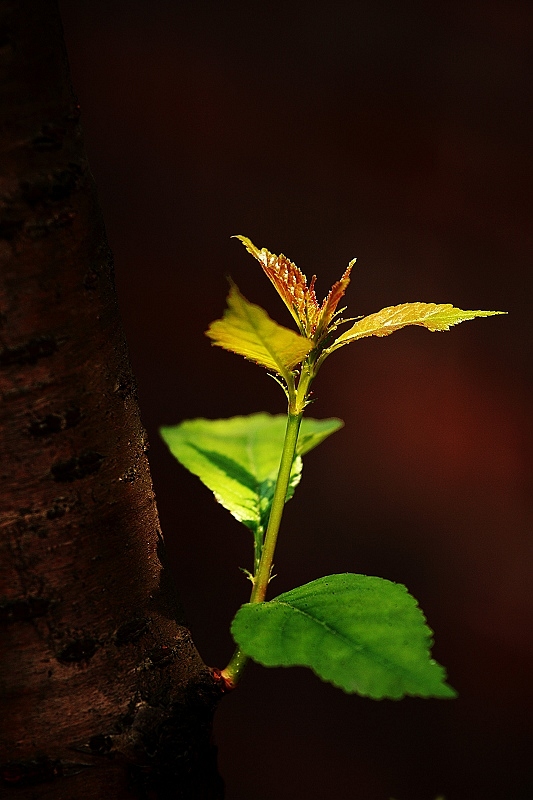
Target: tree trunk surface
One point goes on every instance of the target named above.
(103, 692)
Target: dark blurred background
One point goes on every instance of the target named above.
(398, 133)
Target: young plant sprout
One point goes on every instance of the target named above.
(363, 634)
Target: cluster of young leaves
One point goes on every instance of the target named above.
(363, 634)
(248, 330)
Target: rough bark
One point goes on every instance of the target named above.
(103, 692)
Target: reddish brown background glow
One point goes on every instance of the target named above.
(399, 133)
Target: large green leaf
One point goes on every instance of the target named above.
(363, 634)
(238, 458)
(247, 329)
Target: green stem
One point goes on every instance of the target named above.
(235, 667)
(276, 512)
(297, 403)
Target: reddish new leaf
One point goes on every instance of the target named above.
(300, 299)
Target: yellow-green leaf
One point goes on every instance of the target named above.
(238, 458)
(433, 316)
(247, 329)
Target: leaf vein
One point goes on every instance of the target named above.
(375, 654)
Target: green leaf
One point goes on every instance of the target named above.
(430, 315)
(238, 458)
(363, 634)
(247, 329)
